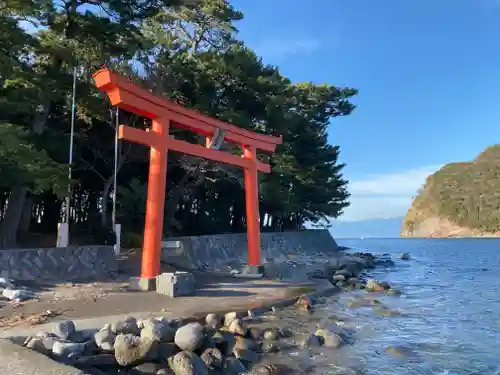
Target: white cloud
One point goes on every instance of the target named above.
(278, 48)
(385, 196)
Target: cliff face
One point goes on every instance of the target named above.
(459, 200)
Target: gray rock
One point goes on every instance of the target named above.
(254, 333)
(18, 294)
(285, 332)
(165, 371)
(270, 347)
(224, 341)
(374, 286)
(126, 326)
(353, 280)
(95, 360)
(213, 359)
(43, 334)
(187, 363)
(64, 329)
(310, 341)
(238, 327)
(213, 321)
(233, 366)
(344, 273)
(146, 369)
(270, 334)
(245, 344)
(83, 335)
(246, 355)
(330, 338)
(338, 277)
(272, 369)
(189, 337)
(405, 256)
(229, 317)
(385, 285)
(68, 349)
(105, 339)
(157, 331)
(130, 350)
(166, 350)
(36, 344)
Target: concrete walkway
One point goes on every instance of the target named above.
(232, 294)
(16, 360)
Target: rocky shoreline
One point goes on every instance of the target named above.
(234, 343)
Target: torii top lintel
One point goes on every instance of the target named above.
(133, 98)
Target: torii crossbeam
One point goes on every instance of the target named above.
(165, 113)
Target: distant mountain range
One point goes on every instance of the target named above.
(375, 228)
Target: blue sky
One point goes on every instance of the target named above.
(428, 75)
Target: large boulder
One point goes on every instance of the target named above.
(157, 331)
(126, 326)
(105, 339)
(213, 359)
(64, 329)
(375, 286)
(213, 321)
(330, 335)
(187, 363)
(189, 337)
(272, 369)
(238, 327)
(130, 350)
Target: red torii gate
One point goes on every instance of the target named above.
(165, 113)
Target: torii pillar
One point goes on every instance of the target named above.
(164, 114)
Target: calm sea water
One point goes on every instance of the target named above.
(451, 301)
(450, 322)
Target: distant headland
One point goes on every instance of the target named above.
(460, 200)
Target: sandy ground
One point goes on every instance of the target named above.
(100, 298)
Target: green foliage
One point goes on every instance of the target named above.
(129, 240)
(22, 163)
(467, 194)
(131, 204)
(184, 50)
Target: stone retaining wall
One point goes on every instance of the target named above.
(58, 264)
(217, 252)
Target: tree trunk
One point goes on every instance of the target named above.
(171, 204)
(26, 216)
(104, 200)
(12, 219)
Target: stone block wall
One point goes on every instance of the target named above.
(58, 264)
(217, 252)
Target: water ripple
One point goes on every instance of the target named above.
(451, 309)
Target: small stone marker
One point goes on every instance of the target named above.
(176, 284)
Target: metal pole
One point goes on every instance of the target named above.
(72, 134)
(115, 172)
